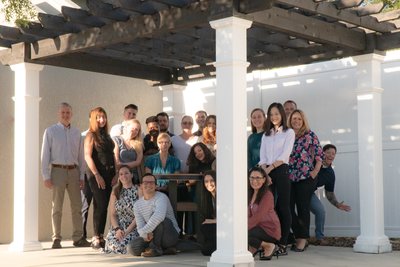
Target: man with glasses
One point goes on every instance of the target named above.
(130, 112)
(156, 223)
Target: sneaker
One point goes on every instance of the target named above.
(56, 244)
(151, 253)
(81, 243)
(169, 251)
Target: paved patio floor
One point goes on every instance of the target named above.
(76, 257)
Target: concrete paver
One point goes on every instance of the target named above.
(69, 256)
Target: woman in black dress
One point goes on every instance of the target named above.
(101, 174)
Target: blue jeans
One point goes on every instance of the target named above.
(317, 208)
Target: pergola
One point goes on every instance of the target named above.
(176, 41)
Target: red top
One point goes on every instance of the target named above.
(264, 215)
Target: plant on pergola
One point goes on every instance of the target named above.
(19, 11)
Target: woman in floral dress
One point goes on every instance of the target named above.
(123, 224)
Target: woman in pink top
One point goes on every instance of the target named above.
(263, 223)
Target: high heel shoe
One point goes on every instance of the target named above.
(296, 249)
(258, 251)
(282, 251)
(269, 257)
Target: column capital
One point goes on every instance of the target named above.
(379, 56)
(26, 66)
(229, 21)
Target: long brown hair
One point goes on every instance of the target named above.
(118, 187)
(94, 125)
(209, 138)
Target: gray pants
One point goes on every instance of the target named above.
(164, 236)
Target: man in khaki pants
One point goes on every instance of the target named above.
(62, 157)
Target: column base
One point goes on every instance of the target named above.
(219, 259)
(373, 245)
(25, 246)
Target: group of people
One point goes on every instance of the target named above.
(118, 169)
(285, 158)
(107, 168)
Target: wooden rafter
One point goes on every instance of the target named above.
(309, 28)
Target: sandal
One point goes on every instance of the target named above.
(96, 242)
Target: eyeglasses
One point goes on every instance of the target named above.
(256, 178)
(148, 182)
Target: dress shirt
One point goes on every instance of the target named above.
(276, 146)
(61, 145)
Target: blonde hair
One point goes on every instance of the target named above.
(135, 142)
(163, 136)
(305, 127)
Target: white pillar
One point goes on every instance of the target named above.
(231, 102)
(174, 105)
(369, 92)
(26, 158)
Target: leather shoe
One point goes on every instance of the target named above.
(56, 244)
(151, 253)
(81, 243)
(169, 251)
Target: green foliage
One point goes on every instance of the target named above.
(19, 11)
(390, 4)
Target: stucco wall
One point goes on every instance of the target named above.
(84, 91)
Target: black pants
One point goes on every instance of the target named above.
(87, 197)
(281, 187)
(101, 197)
(300, 207)
(256, 235)
(209, 240)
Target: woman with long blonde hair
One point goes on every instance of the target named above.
(129, 148)
(99, 157)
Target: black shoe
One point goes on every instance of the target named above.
(56, 244)
(258, 251)
(81, 243)
(296, 249)
(282, 251)
(269, 257)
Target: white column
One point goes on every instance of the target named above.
(231, 102)
(369, 92)
(26, 158)
(174, 105)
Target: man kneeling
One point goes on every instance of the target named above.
(156, 223)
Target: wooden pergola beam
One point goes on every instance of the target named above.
(308, 28)
(349, 16)
(122, 32)
(88, 62)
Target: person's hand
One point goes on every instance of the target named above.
(120, 234)
(100, 181)
(48, 184)
(313, 173)
(343, 207)
(114, 180)
(269, 180)
(149, 237)
(81, 184)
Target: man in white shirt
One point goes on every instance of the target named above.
(156, 224)
(130, 112)
(62, 161)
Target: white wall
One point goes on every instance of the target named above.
(326, 92)
(84, 91)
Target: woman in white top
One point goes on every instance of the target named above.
(276, 146)
(183, 143)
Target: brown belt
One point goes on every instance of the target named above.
(68, 167)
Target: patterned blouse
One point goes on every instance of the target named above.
(306, 149)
